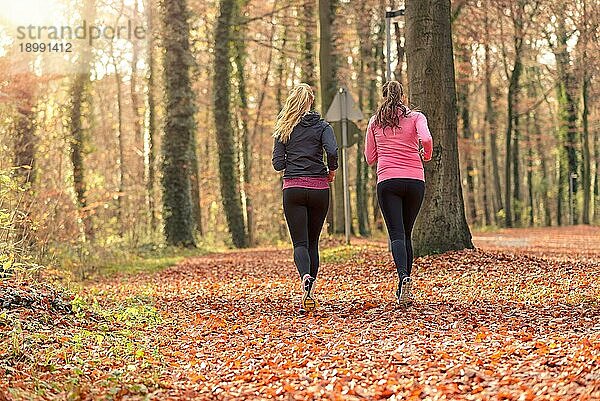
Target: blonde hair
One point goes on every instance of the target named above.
(297, 104)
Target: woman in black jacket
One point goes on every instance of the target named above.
(301, 135)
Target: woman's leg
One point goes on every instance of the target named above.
(318, 203)
(391, 205)
(413, 198)
(296, 215)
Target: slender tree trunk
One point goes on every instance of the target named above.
(398, 74)
(279, 102)
(484, 180)
(586, 178)
(518, 198)
(150, 157)
(180, 126)
(596, 177)
(465, 71)
(529, 179)
(441, 225)
(490, 118)
(121, 159)
(362, 169)
(228, 172)
(240, 61)
(545, 184)
(378, 64)
(78, 95)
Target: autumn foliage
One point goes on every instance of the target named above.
(515, 319)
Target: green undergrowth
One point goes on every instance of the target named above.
(105, 339)
(342, 253)
(86, 262)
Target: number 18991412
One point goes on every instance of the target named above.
(49, 47)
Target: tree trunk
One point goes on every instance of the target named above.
(586, 156)
(490, 118)
(150, 157)
(362, 169)
(328, 66)
(464, 72)
(25, 140)
(512, 96)
(121, 148)
(567, 108)
(180, 126)
(228, 171)
(518, 198)
(308, 74)
(78, 96)
(240, 62)
(441, 225)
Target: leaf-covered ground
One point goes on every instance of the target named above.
(516, 319)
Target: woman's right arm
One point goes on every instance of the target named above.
(278, 155)
(370, 145)
(425, 136)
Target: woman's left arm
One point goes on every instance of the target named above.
(278, 155)
(425, 136)
(370, 145)
(331, 148)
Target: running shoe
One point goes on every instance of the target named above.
(309, 303)
(403, 293)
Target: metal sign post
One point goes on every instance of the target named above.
(344, 115)
(342, 109)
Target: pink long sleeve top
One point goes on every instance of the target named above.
(396, 149)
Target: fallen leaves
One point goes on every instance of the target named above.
(498, 323)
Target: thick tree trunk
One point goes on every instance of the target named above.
(328, 65)
(25, 140)
(567, 133)
(78, 96)
(309, 74)
(228, 171)
(512, 96)
(441, 225)
(180, 126)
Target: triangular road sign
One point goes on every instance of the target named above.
(343, 103)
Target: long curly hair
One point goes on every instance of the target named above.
(297, 104)
(393, 107)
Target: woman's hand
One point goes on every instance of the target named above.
(331, 176)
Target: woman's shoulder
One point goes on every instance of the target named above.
(416, 114)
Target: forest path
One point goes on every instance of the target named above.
(519, 319)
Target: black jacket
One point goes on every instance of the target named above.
(302, 155)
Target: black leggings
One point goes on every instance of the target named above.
(305, 210)
(400, 200)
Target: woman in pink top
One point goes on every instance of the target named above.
(399, 140)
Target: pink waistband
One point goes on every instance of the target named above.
(306, 182)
